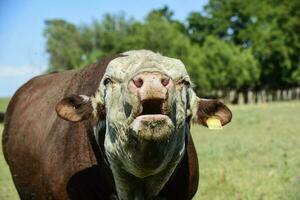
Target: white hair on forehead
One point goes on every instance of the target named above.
(136, 60)
(142, 52)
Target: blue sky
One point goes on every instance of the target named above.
(22, 45)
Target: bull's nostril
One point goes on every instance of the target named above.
(138, 82)
(165, 81)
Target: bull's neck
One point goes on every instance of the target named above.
(130, 186)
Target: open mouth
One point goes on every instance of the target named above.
(152, 107)
(153, 123)
(152, 110)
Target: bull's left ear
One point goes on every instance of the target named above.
(207, 108)
(74, 108)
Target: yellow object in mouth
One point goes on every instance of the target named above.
(214, 123)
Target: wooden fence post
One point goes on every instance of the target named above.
(263, 96)
(241, 98)
(289, 94)
(298, 93)
(278, 95)
(250, 97)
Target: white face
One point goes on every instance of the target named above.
(135, 127)
(145, 104)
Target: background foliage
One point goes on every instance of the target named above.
(233, 45)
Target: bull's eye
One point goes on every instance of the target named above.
(165, 81)
(184, 82)
(107, 81)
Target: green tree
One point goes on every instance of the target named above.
(62, 44)
(159, 35)
(233, 45)
(199, 26)
(225, 67)
(71, 46)
(168, 14)
(270, 28)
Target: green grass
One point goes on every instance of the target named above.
(3, 103)
(256, 157)
(7, 188)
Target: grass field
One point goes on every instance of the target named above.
(3, 104)
(7, 189)
(256, 157)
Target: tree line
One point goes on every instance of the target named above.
(233, 49)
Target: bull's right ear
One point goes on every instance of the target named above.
(74, 108)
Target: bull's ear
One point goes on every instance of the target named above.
(74, 108)
(207, 109)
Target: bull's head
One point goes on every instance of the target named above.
(146, 104)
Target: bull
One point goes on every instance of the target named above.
(117, 129)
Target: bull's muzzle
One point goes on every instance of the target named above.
(151, 85)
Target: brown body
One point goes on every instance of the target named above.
(50, 158)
